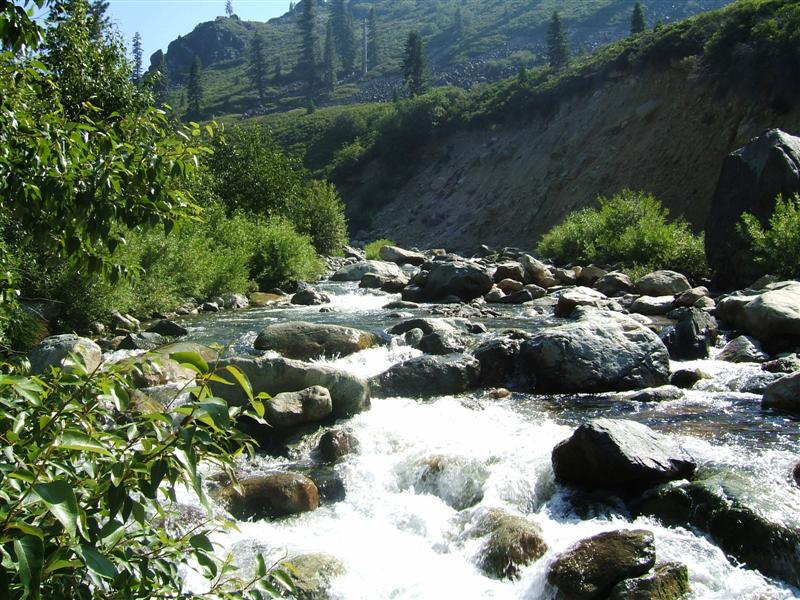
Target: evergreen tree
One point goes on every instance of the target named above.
(229, 8)
(278, 69)
(194, 89)
(308, 65)
(257, 69)
(329, 58)
(161, 81)
(415, 65)
(373, 44)
(458, 24)
(343, 34)
(557, 46)
(638, 24)
(137, 57)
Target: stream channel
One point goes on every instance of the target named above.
(401, 538)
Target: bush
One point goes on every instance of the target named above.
(631, 228)
(319, 213)
(281, 255)
(373, 249)
(777, 246)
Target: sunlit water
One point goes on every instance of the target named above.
(402, 536)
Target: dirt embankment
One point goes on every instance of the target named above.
(665, 132)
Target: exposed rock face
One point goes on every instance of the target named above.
(784, 394)
(692, 335)
(662, 283)
(289, 409)
(271, 496)
(768, 315)
(428, 376)
(513, 542)
(349, 393)
(592, 567)
(742, 349)
(751, 178)
(465, 280)
(606, 453)
(356, 271)
(599, 352)
(52, 352)
(667, 581)
(302, 340)
(400, 256)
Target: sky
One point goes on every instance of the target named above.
(161, 21)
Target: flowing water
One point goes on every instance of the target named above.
(401, 535)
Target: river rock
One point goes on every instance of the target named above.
(662, 283)
(289, 409)
(499, 359)
(167, 327)
(401, 256)
(796, 474)
(742, 349)
(694, 332)
(210, 307)
(427, 376)
(426, 325)
(659, 394)
(413, 337)
(537, 272)
(310, 296)
(784, 364)
(233, 301)
(156, 369)
(54, 350)
(270, 496)
(335, 444)
(784, 394)
(570, 299)
(302, 340)
(768, 315)
(441, 343)
(124, 323)
(400, 305)
(599, 352)
(724, 507)
(686, 378)
(455, 480)
(751, 178)
(652, 305)
(142, 341)
(565, 276)
(614, 284)
(592, 567)
(312, 575)
(509, 286)
(590, 274)
(356, 271)
(262, 299)
(692, 297)
(617, 453)
(495, 295)
(513, 542)
(349, 393)
(509, 270)
(667, 581)
(464, 280)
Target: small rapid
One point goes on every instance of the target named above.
(426, 472)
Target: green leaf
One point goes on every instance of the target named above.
(214, 412)
(97, 563)
(29, 551)
(201, 542)
(284, 579)
(261, 567)
(191, 358)
(242, 380)
(61, 502)
(76, 440)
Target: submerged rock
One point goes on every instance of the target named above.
(427, 376)
(455, 480)
(617, 453)
(513, 542)
(302, 340)
(270, 496)
(336, 444)
(54, 350)
(592, 567)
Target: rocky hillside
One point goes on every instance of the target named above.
(663, 128)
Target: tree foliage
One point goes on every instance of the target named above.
(415, 65)
(557, 45)
(137, 57)
(374, 41)
(308, 67)
(342, 22)
(257, 69)
(194, 89)
(776, 244)
(329, 59)
(638, 24)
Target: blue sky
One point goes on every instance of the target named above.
(161, 21)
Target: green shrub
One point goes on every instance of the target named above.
(373, 249)
(281, 255)
(777, 246)
(630, 228)
(319, 213)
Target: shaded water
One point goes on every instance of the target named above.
(404, 536)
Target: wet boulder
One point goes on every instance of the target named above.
(600, 351)
(335, 444)
(142, 341)
(289, 409)
(667, 581)
(593, 566)
(659, 394)
(619, 454)
(742, 349)
(784, 394)
(309, 296)
(302, 340)
(54, 350)
(686, 378)
(312, 575)
(167, 328)
(427, 376)
(441, 343)
(784, 364)
(349, 393)
(356, 271)
(455, 480)
(662, 283)
(400, 256)
(692, 334)
(499, 360)
(512, 542)
(270, 496)
(461, 279)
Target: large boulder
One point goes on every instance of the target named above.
(54, 350)
(463, 279)
(537, 272)
(142, 341)
(592, 567)
(401, 256)
(270, 496)
(349, 393)
(512, 542)
(694, 332)
(667, 581)
(289, 409)
(499, 359)
(356, 271)
(752, 178)
(427, 376)
(662, 283)
(441, 343)
(784, 394)
(426, 325)
(768, 315)
(617, 453)
(509, 270)
(614, 283)
(599, 352)
(742, 349)
(309, 296)
(167, 327)
(302, 340)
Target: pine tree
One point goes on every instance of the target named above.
(557, 46)
(329, 59)
(415, 65)
(257, 69)
(373, 45)
(458, 24)
(638, 24)
(308, 65)
(194, 89)
(137, 57)
(343, 34)
(229, 8)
